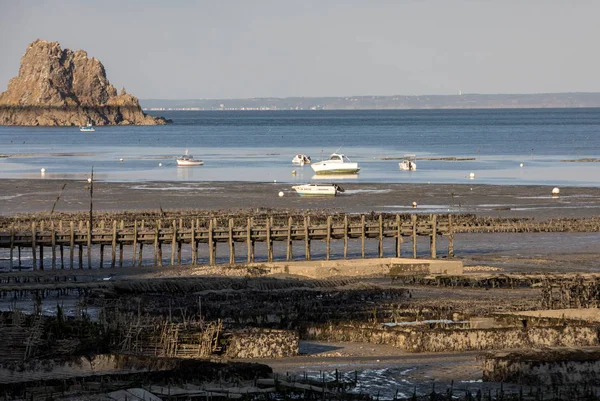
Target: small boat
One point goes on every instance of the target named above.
(188, 160)
(408, 164)
(336, 164)
(318, 189)
(301, 159)
(87, 128)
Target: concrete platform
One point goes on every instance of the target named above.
(365, 267)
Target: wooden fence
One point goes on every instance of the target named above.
(175, 234)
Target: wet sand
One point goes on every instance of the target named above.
(39, 195)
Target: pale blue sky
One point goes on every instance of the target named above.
(280, 48)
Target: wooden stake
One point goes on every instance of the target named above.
(450, 237)
(71, 245)
(433, 238)
(193, 243)
(33, 245)
(380, 236)
(345, 236)
(269, 242)
(362, 235)
(328, 239)
(289, 255)
(231, 243)
(134, 252)
(249, 239)
(53, 244)
(211, 255)
(413, 218)
(306, 237)
(398, 235)
(89, 244)
(173, 243)
(12, 245)
(113, 253)
(160, 253)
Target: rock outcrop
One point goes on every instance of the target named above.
(58, 87)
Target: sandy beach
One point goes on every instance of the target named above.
(40, 195)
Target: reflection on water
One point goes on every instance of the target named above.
(333, 177)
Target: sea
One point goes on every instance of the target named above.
(487, 146)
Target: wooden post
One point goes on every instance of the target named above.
(362, 235)
(413, 218)
(41, 245)
(160, 253)
(345, 236)
(380, 236)
(12, 245)
(398, 235)
(328, 239)
(122, 226)
(19, 256)
(214, 248)
(269, 242)
(102, 244)
(173, 243)
(71, 245)
(433, 238)
(156, 233)
(141, 257)
(306, 237)
(289, 255)
(33, 245)
(134, 252)
(231, 243)
(249, 239)
(193, 242)
(253, 241)
(61, 246)
(89, 244)
(179, 242)
(80, 246)
(450, 237)
(53, 240)
(113, 253)
(211, 239)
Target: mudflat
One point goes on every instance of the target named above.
(41, 195)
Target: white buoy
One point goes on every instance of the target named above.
(293, 172)
(414, 204)
(89, 180)
(472, 176)
(280, 194)
(275, 181)
(555, 191)
(521, 165)
(159, 164)
(43, 170)
(121, 159)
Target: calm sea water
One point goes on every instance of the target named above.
(258, 146)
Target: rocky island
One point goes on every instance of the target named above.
(57, 87)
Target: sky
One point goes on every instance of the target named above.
(219, 49)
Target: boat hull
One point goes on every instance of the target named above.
(316, 190)
(187, 163)
(335, 168)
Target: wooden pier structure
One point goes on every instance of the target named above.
(67, 240)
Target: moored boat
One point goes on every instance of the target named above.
(408, 164)
(87, 128)
(336, 164)
(318, 189)
(301, 159)
(188, 160)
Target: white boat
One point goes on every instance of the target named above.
(408, 164)
(188, 160)
(318, 189)
(301, 159)
(87, 128)
(336, 164)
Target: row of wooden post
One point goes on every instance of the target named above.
(176, 246)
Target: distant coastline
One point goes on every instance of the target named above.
(461, 101)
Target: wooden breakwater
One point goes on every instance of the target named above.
(71, 238)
